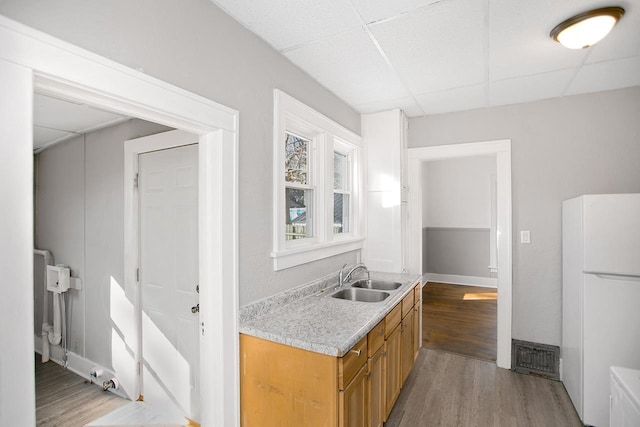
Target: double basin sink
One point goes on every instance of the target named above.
(366, 290)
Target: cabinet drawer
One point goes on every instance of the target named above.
(350, 363)
(392, 320)
(375, 338)
(407, 304)
(417, 293)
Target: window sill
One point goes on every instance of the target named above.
(301, 255)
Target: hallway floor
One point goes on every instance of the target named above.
(460, 319)
(64, 399)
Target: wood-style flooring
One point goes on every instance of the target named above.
(459, 319)
(446, 389)
(67, 400)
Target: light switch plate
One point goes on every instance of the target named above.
(525, 236)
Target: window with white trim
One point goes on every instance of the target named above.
(317, 185)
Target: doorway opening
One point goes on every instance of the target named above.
(33, 61)
(501, 151)
(459, 256)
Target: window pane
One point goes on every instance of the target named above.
(339, 171)
(296, 156)
(299, 213)
(340, 213)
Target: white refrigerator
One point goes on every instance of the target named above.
(600, 297)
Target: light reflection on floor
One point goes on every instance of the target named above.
(480, 296)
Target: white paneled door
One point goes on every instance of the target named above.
(168, 227)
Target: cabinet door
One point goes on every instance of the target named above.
(407, 352)
(417, 325)
(393, 368)
(353, 401)
(376, 388)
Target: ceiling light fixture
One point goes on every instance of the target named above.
(588, 28)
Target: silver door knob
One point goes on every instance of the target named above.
(196, 308)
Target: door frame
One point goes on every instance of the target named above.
(501, 149)
(133, 148)
(63, 70)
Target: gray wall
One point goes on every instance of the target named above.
(80, 219)
(456, 215)
(194, 45)
(561, 148)
(457, 251)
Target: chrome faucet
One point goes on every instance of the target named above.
(343, 278)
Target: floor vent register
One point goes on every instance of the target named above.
(534, 358)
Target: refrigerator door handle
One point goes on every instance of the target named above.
(617, 277)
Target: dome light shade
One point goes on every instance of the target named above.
(588, 28)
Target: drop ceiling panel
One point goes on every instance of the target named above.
(45, 136)
(529, 88)
(458, 99)
(62, 115)
(349, 65)
(407, 104)
(519, 42)
(437, 47)
(377, 10)
(606, 76)
(285, 23)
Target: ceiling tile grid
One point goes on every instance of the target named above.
(56, 120)
(456, 99)
(438, 47)
(436, 56)
(606, 76)
(287, 23)
(529, 88)
(351, 66)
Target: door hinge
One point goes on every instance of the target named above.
(136, 180)
(137, 275)
(139, 368)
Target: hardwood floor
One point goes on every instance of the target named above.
(459, 319)
(66, 399)
(446, 389)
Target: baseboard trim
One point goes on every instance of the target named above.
(486, 282)
(78, 365)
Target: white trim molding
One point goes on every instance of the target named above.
(324, 137)
(501, 149)
(454, 279)
(68, 72)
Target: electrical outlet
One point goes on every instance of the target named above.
(525, 236)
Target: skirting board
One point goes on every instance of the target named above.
(78, 365)
(487, 282)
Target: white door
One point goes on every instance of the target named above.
(168, 224)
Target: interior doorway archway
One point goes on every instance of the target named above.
(31, 60)
(502, 150)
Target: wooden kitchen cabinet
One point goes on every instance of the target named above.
(417, 322)
(376, 388)
(392, 355)
(354, 407)
(282, 385)
(286, 386)
(408, 354)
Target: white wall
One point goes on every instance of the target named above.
(196, 46)
(17, 385)
(561, 148)
(80, 219)
(458, 192)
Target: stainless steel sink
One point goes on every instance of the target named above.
(376, 284)
(362, 295)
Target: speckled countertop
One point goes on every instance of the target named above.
(308, 318)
